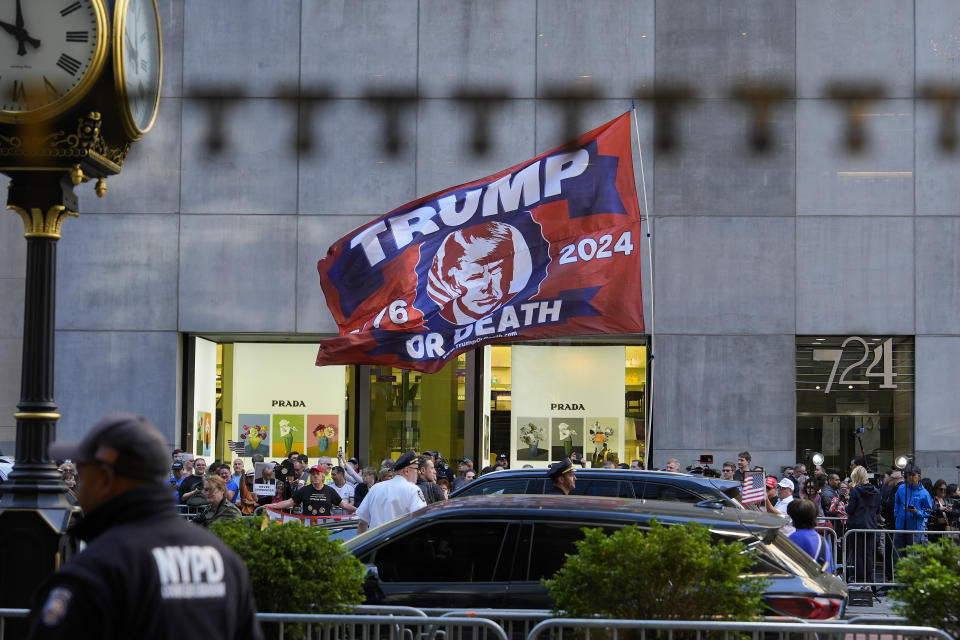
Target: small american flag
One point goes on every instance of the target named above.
(754, 487)
(236, 447)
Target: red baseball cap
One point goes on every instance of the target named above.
(771, 481)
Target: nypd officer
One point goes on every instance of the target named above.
(146, 571)
(563, 477)
(392, 498)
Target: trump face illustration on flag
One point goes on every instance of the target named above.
(477, 270)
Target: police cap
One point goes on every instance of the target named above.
(557, 469)
(407, 459)
(128, 443)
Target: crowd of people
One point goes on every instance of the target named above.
(902, 501)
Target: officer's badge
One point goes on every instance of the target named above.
(56, 607)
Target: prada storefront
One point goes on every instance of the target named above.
(534, 402)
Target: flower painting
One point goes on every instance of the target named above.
(532, 439)
(323, 435)
(288, 434)
(253, 430)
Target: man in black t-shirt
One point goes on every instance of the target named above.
(317, 499)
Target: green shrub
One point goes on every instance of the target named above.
(294, 569)
(673, 572)
(931, 573)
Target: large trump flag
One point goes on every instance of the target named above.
(550, 247)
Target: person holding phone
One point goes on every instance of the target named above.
(912, 507)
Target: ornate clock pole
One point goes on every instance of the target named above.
(75, 93)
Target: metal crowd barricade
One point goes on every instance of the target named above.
(6, 614)
(830, 537)
(584, 628)
(516, 623)
(384, 627)
(871, 556)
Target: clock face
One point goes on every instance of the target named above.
(137, 63)
(51, 52)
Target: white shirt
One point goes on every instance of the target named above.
(389, 500)
(345, 492)
(781, 506)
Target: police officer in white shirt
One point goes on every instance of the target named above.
(393, 498)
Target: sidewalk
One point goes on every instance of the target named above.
(882, 608)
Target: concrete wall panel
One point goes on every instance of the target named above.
(477, 45)
(938, 275)
(936, 397)
(249, 45)
(723, 392)
(724, 275)
(445, 157)
(11, 311)
(255, 171)
(855, 41)
(171, 26)
(119, 271)
(937, 168)
(605, 46)
(938, 45)
(99, 372)
(855, 275)
(833, 179)
(238, 273)
(315, 235)
(713, 169)
(347, 170)
(353, 48)
(713, 46)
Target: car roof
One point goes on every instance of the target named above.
(620, 474)
(594, 509)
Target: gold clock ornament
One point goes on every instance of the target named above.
(51, 54)
(137, 64)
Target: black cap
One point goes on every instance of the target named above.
(405, 460)
(501, 456)
(353, 460)
(127, 442)
(177, 466)
(913, 469)
(557, 469)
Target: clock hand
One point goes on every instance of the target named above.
(21, 34)
(133, 51)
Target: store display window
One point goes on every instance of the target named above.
(550, 401)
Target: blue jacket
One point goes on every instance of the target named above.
(918, 497)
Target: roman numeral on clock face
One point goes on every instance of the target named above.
(69, 64)
(78, 36)
(19, 92)
(70, 9)
(52, 92)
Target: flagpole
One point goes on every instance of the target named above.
(648, 414)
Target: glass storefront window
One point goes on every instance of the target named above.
(412, 410)
(854, 398)
(549, 401)
(269, 399)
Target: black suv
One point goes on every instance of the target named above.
(612, 483)
(493, 551)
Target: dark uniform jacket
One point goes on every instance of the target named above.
(146, 573)
(431, 491)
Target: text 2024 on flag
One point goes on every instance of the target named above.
(550, 247)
